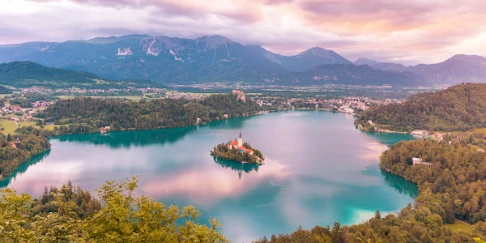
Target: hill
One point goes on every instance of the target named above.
(353, 75)
(311, 58)
(461, 107)
(455, 70)
(385, 66)
(185, 61)
(28, 74)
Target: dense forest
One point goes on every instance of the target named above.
(70, 214)
(18, 148)
(94, 113)
(5, 90)
(458, 108)
(221, 151)
(454, 187)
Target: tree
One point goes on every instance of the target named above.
(124, 218)
(377, 214)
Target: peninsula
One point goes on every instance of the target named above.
(236, 150)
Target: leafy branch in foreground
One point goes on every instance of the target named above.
(121, 217)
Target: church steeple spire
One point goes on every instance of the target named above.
(240, 141)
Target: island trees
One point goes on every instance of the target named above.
(245, 153)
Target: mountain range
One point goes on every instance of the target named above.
(219, 59)
(457, 69)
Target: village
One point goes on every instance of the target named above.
(347, 104)
(91, 91)
(19, 114)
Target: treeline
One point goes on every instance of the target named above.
(73, 215)
(458, 108)
(5, 90)
(130, 115)
(417, 225)
(18, 148)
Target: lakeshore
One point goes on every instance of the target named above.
(174, 167)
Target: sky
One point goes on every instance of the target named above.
(408, 32)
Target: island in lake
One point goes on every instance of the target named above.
(238, 151)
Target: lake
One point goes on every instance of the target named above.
(319, 169)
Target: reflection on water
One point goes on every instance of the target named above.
(401, 185)
(127, 139)
(389, 138)
(23, 168)
(318, 169)
(237, 166)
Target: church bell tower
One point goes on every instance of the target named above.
(240, 141)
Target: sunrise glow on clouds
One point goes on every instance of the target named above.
(398, 31)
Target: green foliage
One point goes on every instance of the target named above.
(458, 108)
(130, 115)
(454, 186)
(5, 90)
(14, 216)
(75, 202)
(27, 144)
(24, 103)
(119, 217)
(223, 152)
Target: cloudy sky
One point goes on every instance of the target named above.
(410, 32)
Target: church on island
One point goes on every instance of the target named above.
(238, 144)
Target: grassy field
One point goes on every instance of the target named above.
(134, 97)
(482, 130)
(460, 226)
(48, 128)
(8, 126)
(26, 124)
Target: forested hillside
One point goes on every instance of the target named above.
(461, 107)
(454, 187)
(5, 90)
(18, 148)
(151, 114)
(29, 74)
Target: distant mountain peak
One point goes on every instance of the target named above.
(112, 39)
(365, 61)
(311, 58)
(317, 51)
(464, 57)
(213, 41)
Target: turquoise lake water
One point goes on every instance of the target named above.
(319, 169)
